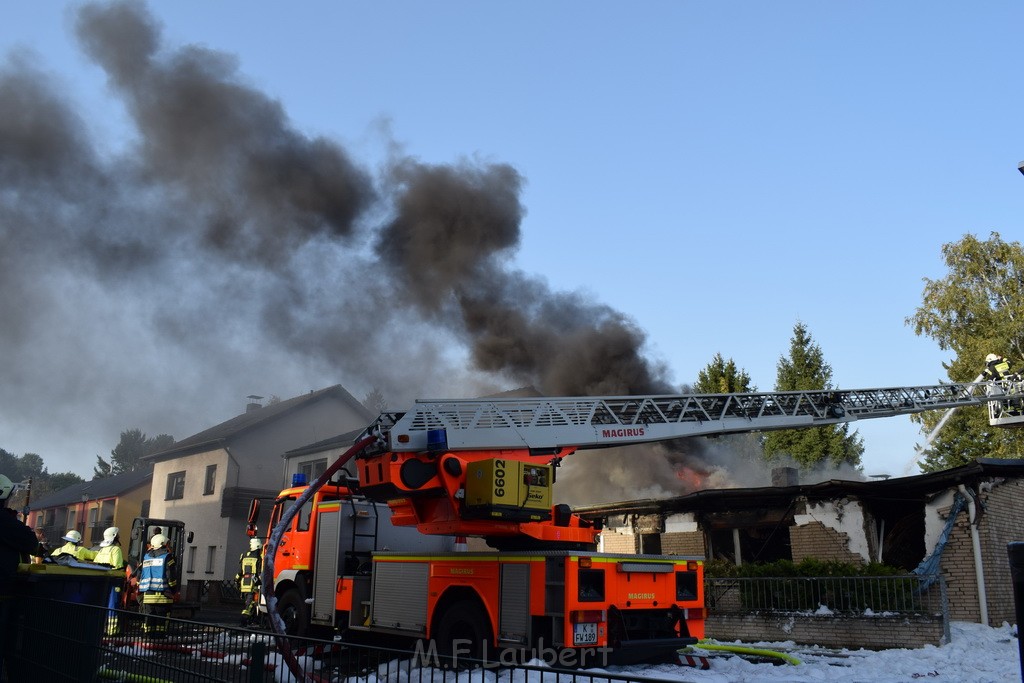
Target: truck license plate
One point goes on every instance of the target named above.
(584, 634)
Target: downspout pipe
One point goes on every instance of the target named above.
(979, 571)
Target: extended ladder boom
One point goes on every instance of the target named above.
(596, 422)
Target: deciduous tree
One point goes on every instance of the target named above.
(977, 308)
(127, 455)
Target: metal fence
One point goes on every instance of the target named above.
(845, 595)
(52, 640)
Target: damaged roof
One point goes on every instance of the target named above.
(920, 487)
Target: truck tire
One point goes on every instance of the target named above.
(463, 631)
(294, 612)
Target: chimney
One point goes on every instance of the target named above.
(785, 476)
(254, 403)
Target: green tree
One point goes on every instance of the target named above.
(30, 467)
(127, 455)
(721, 376)
(62, 480)
(806, 369)
(374, 401)
(976, 309)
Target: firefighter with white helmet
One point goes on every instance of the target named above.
(158, 581)
(998, 368)
(16, 539)
(73, 547)
(110, 554)
(250, 564)
(16, 542)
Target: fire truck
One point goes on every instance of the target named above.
(369, 548)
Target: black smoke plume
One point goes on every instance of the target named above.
(218, 252)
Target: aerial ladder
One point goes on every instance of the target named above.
(485, 468)
(428, 462)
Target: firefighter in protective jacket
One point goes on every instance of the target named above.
(250, 564)
(157, 583)
(110, 554)
(997, 367)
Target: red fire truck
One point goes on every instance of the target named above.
(369, 548)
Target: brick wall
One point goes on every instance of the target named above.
(618, 543)
(1001, 523)
(821, 543)
(872, 633)
(683, 543)
(957, 565)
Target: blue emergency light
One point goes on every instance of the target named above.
(299, 479)
(437, 440)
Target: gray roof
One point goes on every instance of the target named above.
(340, 441)
(106, 487)
(220, 434)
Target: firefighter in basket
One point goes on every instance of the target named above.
(250, 564)
(997, 368)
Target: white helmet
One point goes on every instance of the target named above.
(991, 357)
(254, 544)
(72, 537)
(109, 535)
(158, 541)
(6, 487)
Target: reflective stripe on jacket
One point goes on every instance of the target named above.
(154, 573)
(250, 564)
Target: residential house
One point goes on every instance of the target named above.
(209, 479)
(897, 521)
(92, 506)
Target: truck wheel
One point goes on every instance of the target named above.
(294, 612)
(462, 631)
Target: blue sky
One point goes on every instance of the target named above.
(715, 171)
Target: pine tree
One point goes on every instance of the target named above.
(721, 376)
(806, 369)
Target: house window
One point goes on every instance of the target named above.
(107, 512)
(211, 479)
(211, 554)
(175, 486)
(192, 552)
(313, 468)
(95, 533)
